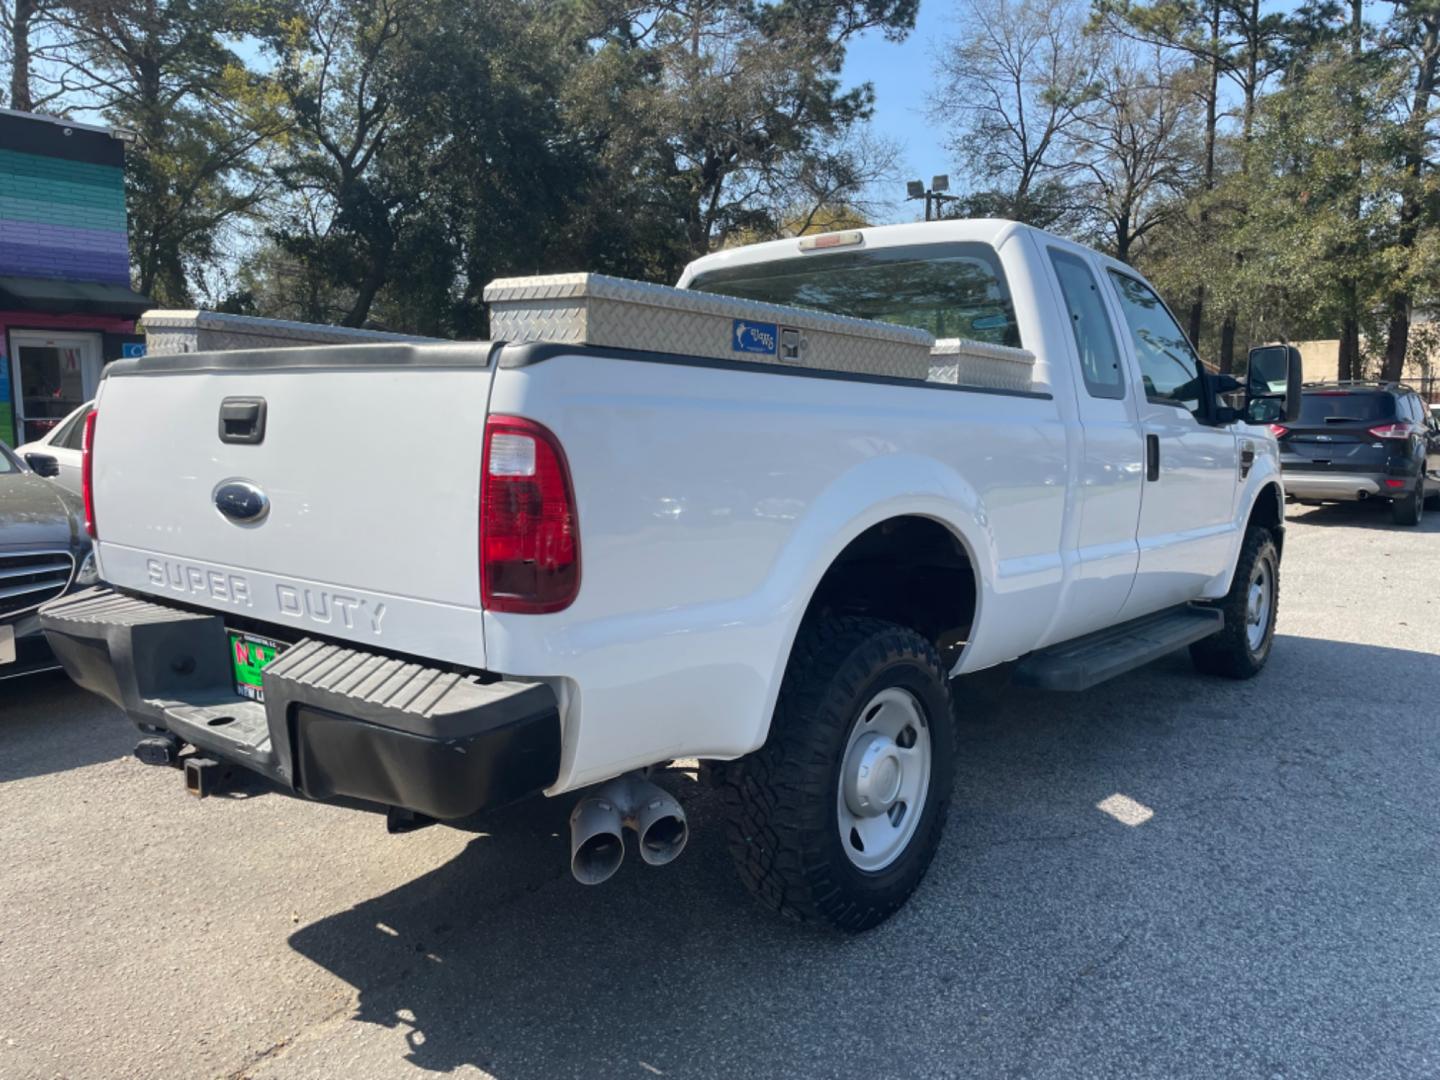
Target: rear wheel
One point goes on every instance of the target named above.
(1240, 650)
(1410, 509)
(837, 817)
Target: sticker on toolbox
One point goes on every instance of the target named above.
(754, 337)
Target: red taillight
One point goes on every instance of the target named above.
(87, 473)
(1278, 429)
(1389, 483)
(529, 536)
(1401, 430)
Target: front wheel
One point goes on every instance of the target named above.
(1240, 650)
(837, 817)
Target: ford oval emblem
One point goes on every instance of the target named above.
(241, 502)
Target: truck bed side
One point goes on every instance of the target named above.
(711, 502)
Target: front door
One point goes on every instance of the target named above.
(1187, 508)
(54, 374)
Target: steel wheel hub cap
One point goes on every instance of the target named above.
(872, 783)
(1257, 606)
(884, 777)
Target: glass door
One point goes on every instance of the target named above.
(55, 375)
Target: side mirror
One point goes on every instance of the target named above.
(43, 464)
(1275, 374)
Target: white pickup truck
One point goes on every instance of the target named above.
(600, 560)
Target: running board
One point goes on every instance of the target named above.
(1086, 661)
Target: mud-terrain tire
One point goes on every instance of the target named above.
(867, 699)
(1240, 650)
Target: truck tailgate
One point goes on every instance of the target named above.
(371, 472)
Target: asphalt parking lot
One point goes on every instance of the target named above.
(1278, 915)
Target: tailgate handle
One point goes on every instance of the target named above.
(242, 420)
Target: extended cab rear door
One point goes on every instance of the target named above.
(1107, 496)
(1192, 474)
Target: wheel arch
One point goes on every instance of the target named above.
(1267, 510)
(914, 570)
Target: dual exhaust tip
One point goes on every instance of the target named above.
(599, 821)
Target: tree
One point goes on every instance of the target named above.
(1415, 33)
(159, 68)
(1231, 40)
(1323, 212)
(1134, 146)
(1012, 86)
(337, 65)
(18, 19)
(728, 105)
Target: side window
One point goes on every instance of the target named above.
(1167, 362)
(1090, 323)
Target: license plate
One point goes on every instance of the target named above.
(249, 654)
(7, 644)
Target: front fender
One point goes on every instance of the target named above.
(1263, 482)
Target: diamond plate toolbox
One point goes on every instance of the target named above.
(594, 309)
(978, 363)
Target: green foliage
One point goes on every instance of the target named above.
(161, 69)
(379, 161)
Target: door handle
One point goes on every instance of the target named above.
(1152, 457)
(242, 420)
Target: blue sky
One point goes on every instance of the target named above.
(901, 75)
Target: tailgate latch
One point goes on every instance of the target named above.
(242, 420)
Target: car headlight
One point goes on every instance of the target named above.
(89, 571)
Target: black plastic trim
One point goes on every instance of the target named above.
(530, 353)
(338, 756)
(338, 724)
(361, 356)
(242, 420)
(1086, 661)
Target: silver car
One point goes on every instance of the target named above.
(44, 552)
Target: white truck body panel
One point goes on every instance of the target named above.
(711, 502)
(706, 523)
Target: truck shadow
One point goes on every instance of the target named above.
(49, 725)
(1371, 514)
(1047, 926)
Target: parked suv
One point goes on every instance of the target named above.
(1362, 440)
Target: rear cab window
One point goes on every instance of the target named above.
(950, 290)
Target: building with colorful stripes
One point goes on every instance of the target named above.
(66, 305)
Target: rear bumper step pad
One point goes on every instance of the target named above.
(337, 722)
